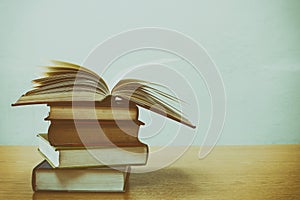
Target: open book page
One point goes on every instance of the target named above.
(146, 95)
(66, 82)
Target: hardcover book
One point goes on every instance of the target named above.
(66, 157)
(104, 179)
(94, 133)
(107, 109)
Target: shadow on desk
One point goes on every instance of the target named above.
(165, 183)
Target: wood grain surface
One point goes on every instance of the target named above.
(229, 172)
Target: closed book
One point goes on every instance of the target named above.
(108, 109)
(65, 157)
(93, 133)
(104, 179)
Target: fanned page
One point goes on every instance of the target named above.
(67, 82)
(145, 94)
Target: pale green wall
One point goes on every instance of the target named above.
(256, 45)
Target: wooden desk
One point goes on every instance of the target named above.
(230, 172)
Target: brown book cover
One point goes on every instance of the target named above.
(101, 179)
(94, 132)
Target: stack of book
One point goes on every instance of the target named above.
(92, 139)
(77, 151)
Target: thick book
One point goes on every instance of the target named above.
(104, 179)
(67, 157)
(108, 109)
(68, 83)
(94, 133)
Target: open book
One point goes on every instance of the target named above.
(66, 82)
